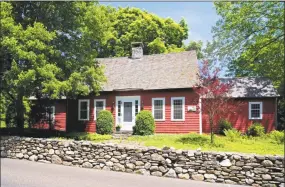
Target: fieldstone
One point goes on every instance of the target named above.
(147, 165)
(69, 152)
(157, 173)
(171, 173)
(51, 152)
(87, 165)
(183, 176)
(68, 158)
(19, 155)
(226, 163)
(142, 172)
(4, 154)
(162, 169)
(139, 163)
(66, 163)
(197, 177)
(118, 167)
(157, 157)
(56, 159)
(114, 160)
(267, 163)
(117, 153)
(266, 177)
(153, 168)
(249, 181)
(130, 166)
(168, 161)
(33, 158)
(107, 168)
(230, 182)
(178, 170)
(210, 176)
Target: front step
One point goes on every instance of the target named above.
(122, 134)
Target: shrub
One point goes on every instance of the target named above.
(232, 134)
(144, 123)
(104, 122)
(277, 136)
(256, 129)
(224, 125)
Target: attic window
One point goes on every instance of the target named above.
(255, 110)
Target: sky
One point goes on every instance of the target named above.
(200, 16)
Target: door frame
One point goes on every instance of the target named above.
(126, 99)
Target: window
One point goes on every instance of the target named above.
(119, 108)
(255, 110)
(136, 107)
(50, 113)
(99, 104)
(178, 108)
(83, 109)
(158, 109)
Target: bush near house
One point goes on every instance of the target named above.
(104, 122)
(277, 136)
(224, 125)
(256, 129)
(144, 123)
(232, 134)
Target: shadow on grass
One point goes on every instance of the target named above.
(196, 139)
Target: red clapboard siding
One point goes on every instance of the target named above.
(191, 123)
(60, 117)
(240, 120)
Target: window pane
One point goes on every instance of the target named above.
(178, 109)
(83, 114)
(255, 106)
(119, 108)
(83, 105)
(136, 107)
(99, 107)
(158, 109)
(255, 113)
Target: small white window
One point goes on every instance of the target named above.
(99, 104)
(83, 109)
(255, 110)
(50, 113)
(158, 109)
(177, 108)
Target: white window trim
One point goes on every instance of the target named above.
(104, 106)
(183, 108)
(249, 111)
(88, 109)
(163, 108)
(53, 112)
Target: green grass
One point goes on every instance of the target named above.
(258, 145)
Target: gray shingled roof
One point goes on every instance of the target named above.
(160, 71)
(251, 87)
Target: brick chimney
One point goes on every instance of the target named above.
(137, 50)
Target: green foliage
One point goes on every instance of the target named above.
(104, 122)
(194, 138)
(135, 25)
(249, 39)
(256, 129)
(197, 46)
(232, 134)
(277, 136)
(144, 123)
(87, 136)
(224, 125)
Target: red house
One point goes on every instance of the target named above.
(161, 83)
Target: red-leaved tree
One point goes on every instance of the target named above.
(214, 95)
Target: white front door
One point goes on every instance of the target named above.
(126, 109)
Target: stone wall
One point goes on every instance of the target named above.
(203, 166)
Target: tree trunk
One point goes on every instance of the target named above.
(211, 128)
(20, 112)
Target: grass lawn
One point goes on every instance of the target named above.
(263, 146)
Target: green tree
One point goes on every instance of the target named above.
(249, 39)
(135, 25)
(197, 46)
(50, 55)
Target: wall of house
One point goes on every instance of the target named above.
(191, 123)
(240, 116)
(60, 115)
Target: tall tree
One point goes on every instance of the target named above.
(135, 25)
(249, 39)
(50, 55)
